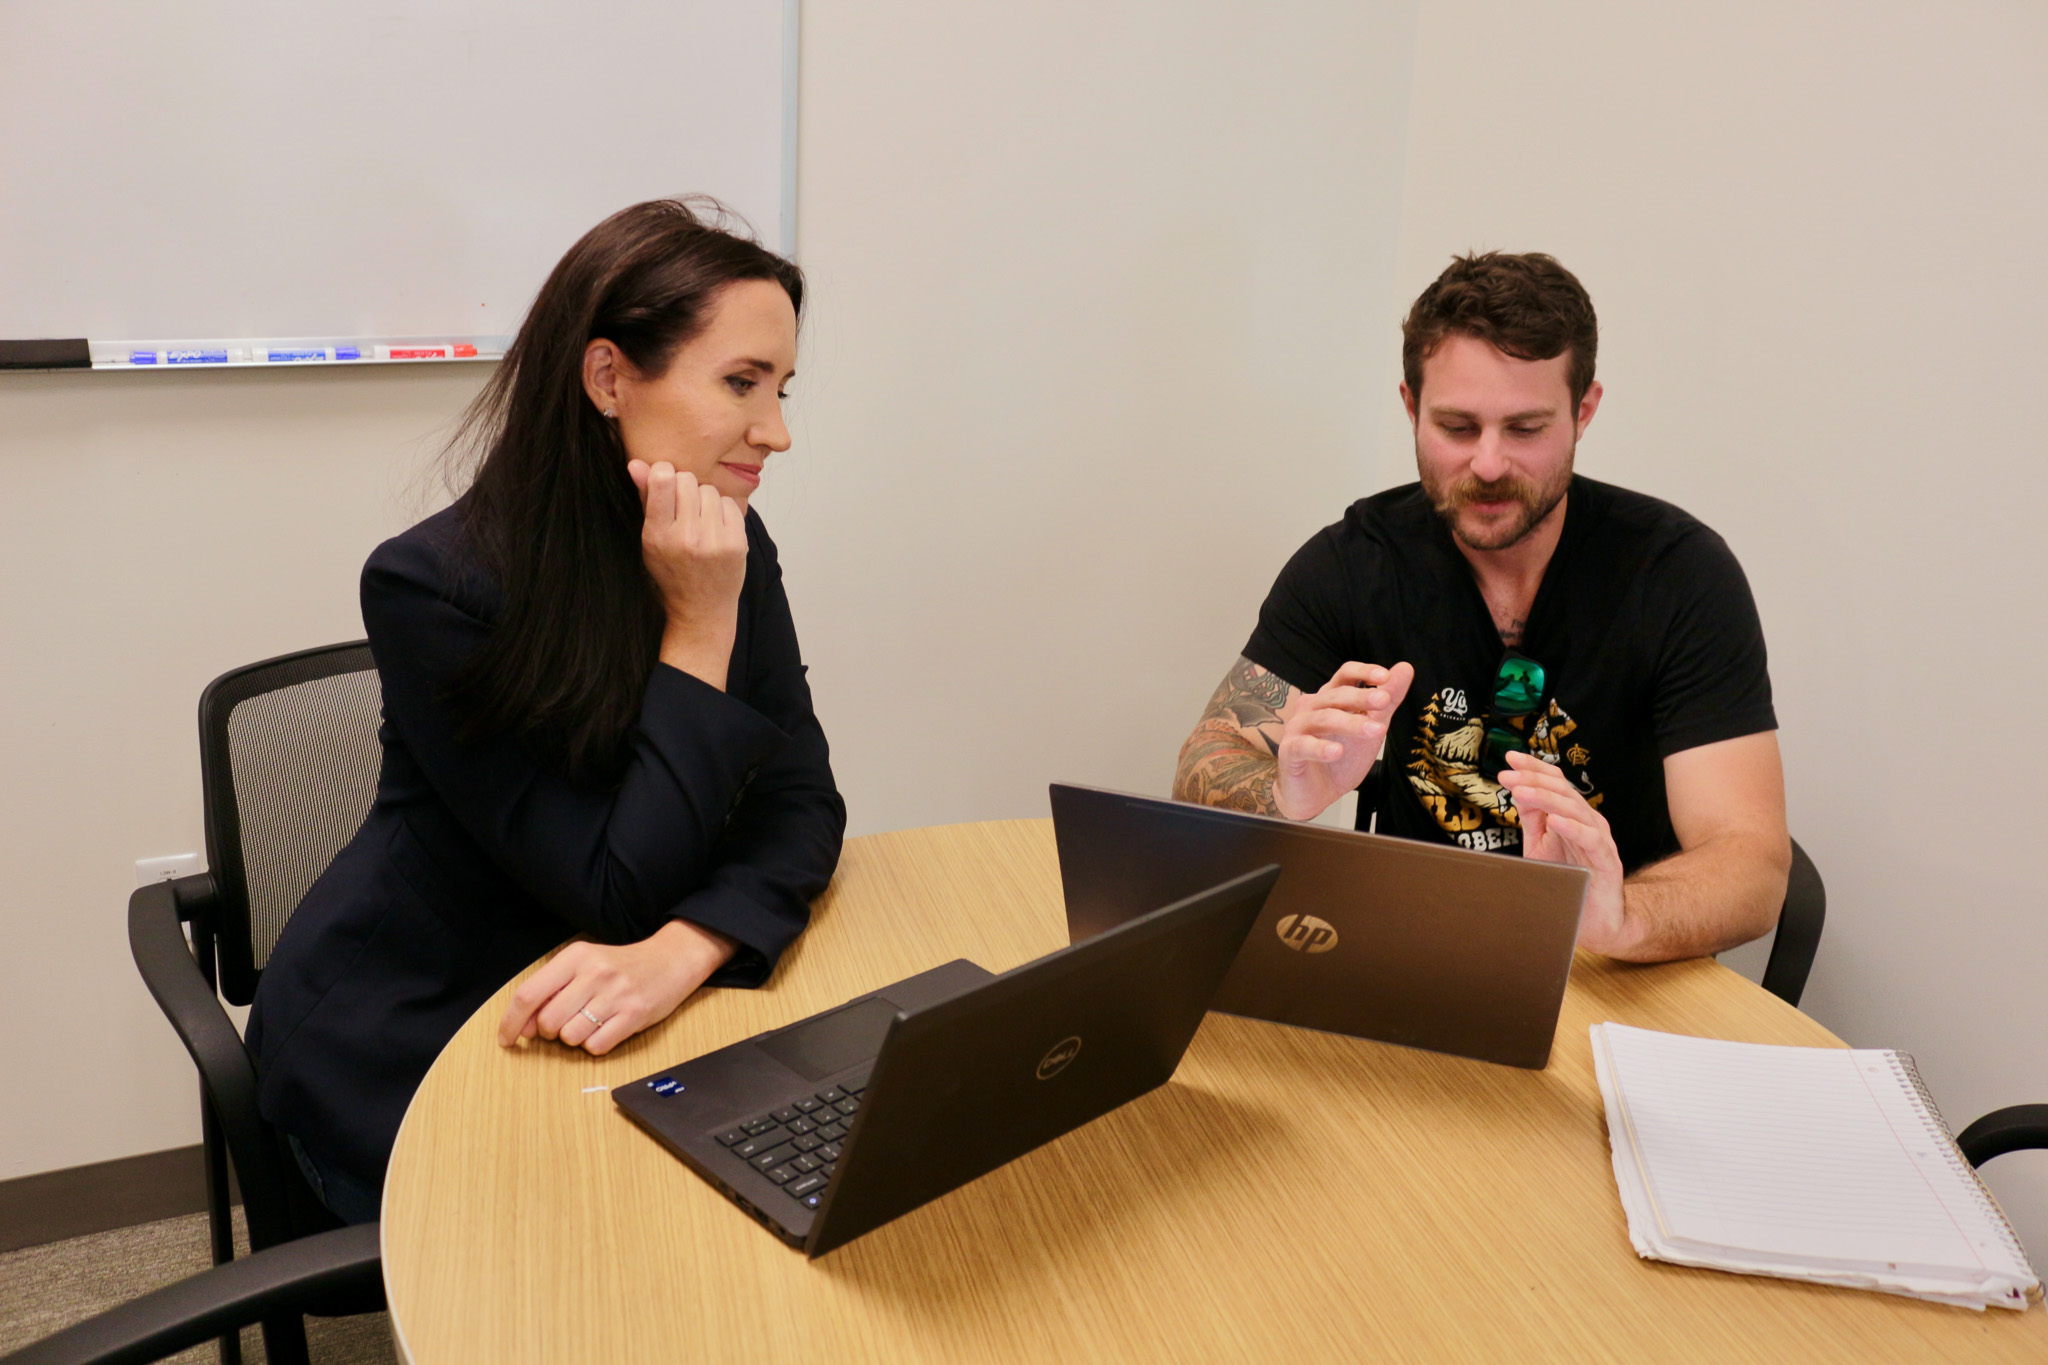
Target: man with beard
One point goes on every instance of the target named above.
(1558, 668)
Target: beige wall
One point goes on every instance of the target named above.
(1104, 327)
(1815, 235)
(1091, 289)
(155, 531)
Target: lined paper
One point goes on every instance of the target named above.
(1821, 1162)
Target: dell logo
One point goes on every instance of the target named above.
(1055, 1061)
(1307, 934)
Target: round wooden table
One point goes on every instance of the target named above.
(1288, 1195)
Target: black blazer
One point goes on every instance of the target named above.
(474, 861)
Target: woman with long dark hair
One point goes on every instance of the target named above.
(596, 720)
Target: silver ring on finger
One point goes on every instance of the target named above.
(585, 1012)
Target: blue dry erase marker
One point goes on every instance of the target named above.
(348, 353)
(142, 358)
(212, 357)
(297, 353)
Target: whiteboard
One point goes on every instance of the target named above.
(379, 168)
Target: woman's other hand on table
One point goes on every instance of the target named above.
(595, 996)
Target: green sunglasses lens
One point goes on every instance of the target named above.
(1518, 687)
(1499, 744)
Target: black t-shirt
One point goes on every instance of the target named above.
(1644, 626)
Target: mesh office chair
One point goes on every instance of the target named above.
(289, 759)
(1800, 919)
(301, 1276)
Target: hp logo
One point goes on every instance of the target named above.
(1055, 1061)
(1307, 934)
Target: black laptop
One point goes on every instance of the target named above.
(834, 1125)
(1392, 939)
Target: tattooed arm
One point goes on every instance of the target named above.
(1264, 746)
(1228, 760)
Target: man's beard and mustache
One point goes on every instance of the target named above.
(1534, 502)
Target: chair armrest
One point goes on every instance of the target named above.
(293, 1278)
(188, 1000)
(2004, 1130)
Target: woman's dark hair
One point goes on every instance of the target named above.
(552, 514)
(1526, 306)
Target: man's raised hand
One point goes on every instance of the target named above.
(1333, 735)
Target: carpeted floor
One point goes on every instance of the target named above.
(49, 1287)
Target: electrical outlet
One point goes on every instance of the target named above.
(148, 870)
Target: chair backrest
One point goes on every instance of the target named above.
(288, 764)
(1800, 921)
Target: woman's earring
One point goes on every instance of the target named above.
(611, 414)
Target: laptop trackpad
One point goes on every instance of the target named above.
(832, 1042)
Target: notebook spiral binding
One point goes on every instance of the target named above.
(1909, 1072)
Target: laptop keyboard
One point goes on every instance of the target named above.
(797, 1145)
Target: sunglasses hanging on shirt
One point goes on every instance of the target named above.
(1519, 686)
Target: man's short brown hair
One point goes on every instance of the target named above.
(1527, 306)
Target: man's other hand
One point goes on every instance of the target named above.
(1558, 826)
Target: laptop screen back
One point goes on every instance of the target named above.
(967, 1084)
(1406, 942)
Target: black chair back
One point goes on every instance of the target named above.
(289, 759)
(1800, 921)
(288, 762)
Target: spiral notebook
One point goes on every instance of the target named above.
(1824, 1164)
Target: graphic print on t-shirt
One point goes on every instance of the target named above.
(1466, 802)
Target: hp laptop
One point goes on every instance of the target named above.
(834, 1125)
(1404, 942)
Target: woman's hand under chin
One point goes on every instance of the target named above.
(595, 996)
(694, 541)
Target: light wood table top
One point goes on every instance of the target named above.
(1288, 1195)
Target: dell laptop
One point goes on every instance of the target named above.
(834, 1125)
(1392, 939)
